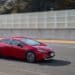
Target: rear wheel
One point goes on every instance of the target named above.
(30, 57)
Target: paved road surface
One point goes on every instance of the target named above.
(63, 63)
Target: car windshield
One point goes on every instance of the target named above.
(30, 41)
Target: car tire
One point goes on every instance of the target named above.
(30, 57)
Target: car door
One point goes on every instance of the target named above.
(5, 49)
(17, 49)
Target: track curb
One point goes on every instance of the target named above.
(58, 41)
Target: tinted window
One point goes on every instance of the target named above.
(17, 43)
(30, 42)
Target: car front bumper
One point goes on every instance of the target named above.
(45, 56)
(50, 55)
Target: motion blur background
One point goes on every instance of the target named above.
(47, 19)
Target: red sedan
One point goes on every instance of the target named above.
(25, 49)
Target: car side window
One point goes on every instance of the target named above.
(17, 43)
(7, 41)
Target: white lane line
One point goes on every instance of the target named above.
(3, 73)
(29, 71)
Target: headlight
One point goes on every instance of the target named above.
(52, 54)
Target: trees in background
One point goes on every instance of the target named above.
(17, 6)
(12, 6)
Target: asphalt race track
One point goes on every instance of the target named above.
(62, 64)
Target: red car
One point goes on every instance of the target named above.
(25, 49)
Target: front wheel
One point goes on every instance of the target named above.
(30, 57)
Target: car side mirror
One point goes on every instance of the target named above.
(20, 45)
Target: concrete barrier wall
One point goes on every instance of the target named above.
(65, 34)
(46, 25)
(41, 20)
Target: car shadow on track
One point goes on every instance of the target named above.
(54, 62)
